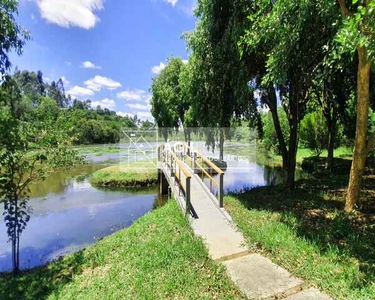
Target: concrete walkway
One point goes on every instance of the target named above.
(256, 276)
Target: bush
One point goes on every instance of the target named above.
(314, 133)
(269, 134)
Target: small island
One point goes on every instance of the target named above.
(126, 175)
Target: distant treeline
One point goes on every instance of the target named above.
(40, 101)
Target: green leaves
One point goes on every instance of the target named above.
(12, 37)
(29, 151)
(358, 29)
(168, 109)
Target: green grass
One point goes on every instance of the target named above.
(136, 174)
(268, 158)
(158, 257)
(307, 232)
(97, 150)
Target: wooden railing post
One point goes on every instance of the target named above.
(170, 163)
(221, 190)
(194, 158)
(187, 194)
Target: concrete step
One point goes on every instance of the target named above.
(259, 278)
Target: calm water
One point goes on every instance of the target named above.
(69, 214)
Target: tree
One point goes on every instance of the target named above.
(270, 139)
(357, 34)
(314, 133)
(286, 60)
(167, 108)
(31, 85)
(219, 86)
(333, 87)
(28, 152)
(12, 36)
(56, 91)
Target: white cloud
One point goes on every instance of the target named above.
(67, 13)
(185, 61)
(139, 106)
(65, 81)
(132, 94)
(171, 2)
(159, 68)
(89, 65)
(105, 103)
(188, 7)
(99, 82)
(124, 114)
(68, 63)
(78, 91)
(144, 115)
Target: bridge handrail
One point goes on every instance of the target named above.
(173, 161)
(180, 164)
(203, 157)
(220, 184)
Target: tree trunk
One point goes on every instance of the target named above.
(292, 153)
(293, 112)
(221, 146)
(272, 105)
(331, 124)
(360, 146)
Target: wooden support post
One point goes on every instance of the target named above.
(221, 191)
(187, 195)
(194, 164)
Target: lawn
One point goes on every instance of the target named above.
(158, 257)
(307, 232)
(98, 150)
(135, 174)
(265, 157)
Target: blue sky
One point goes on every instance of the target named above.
(105, 50)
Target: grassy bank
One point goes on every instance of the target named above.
(136, 174)
(158, 257)
(307, 232)
(98, 150)
(265, 157)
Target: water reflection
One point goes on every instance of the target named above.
(243, 172)
(69, 214)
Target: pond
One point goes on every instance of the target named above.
(69, 214)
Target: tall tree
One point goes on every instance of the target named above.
(220, 81)
(358, 35)
(277, 35)
(12, 36)
(31, 85)
(167, 107)
(28, 152)
(56, 91)
(333, 86)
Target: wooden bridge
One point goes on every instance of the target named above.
(198, 185)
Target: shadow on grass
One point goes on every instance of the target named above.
(315, 212)
(40, 283)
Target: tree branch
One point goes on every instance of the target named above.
(344, 8)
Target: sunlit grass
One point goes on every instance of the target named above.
(307, 232)
(135, 174)
(158, 257)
